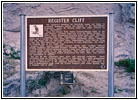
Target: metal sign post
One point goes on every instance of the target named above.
(111, 56)
(22, 55)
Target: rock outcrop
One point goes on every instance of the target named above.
(89, 84)
(124, 27)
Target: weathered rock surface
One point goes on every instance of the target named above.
(124, 20)
(92, 84)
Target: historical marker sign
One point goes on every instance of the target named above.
(67, 43)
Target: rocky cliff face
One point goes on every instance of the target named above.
(124, 38)
(90, 84)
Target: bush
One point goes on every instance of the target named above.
(42, 82)
(11, 52)
(44, 79)
(129, 64)
(14, 54)
(93, 90)
(63, 91)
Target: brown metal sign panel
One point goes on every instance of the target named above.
(76, 43)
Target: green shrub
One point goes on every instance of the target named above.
(64, 91)
(44, 79)
(129, 64)
(11, 52)
(42, 82)
(93, 90)
(14, 54)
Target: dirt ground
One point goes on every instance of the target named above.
(95, 84)
(86, 83)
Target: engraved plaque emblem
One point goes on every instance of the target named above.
(36, 30)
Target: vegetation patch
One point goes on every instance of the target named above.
(93, 90)
(15, 54)
(32, 85)
(11, 52)
(42, 82)
(129, 64)
(63, 91)
(117, 90)
(44, 79)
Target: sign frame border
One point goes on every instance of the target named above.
(67, 69)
